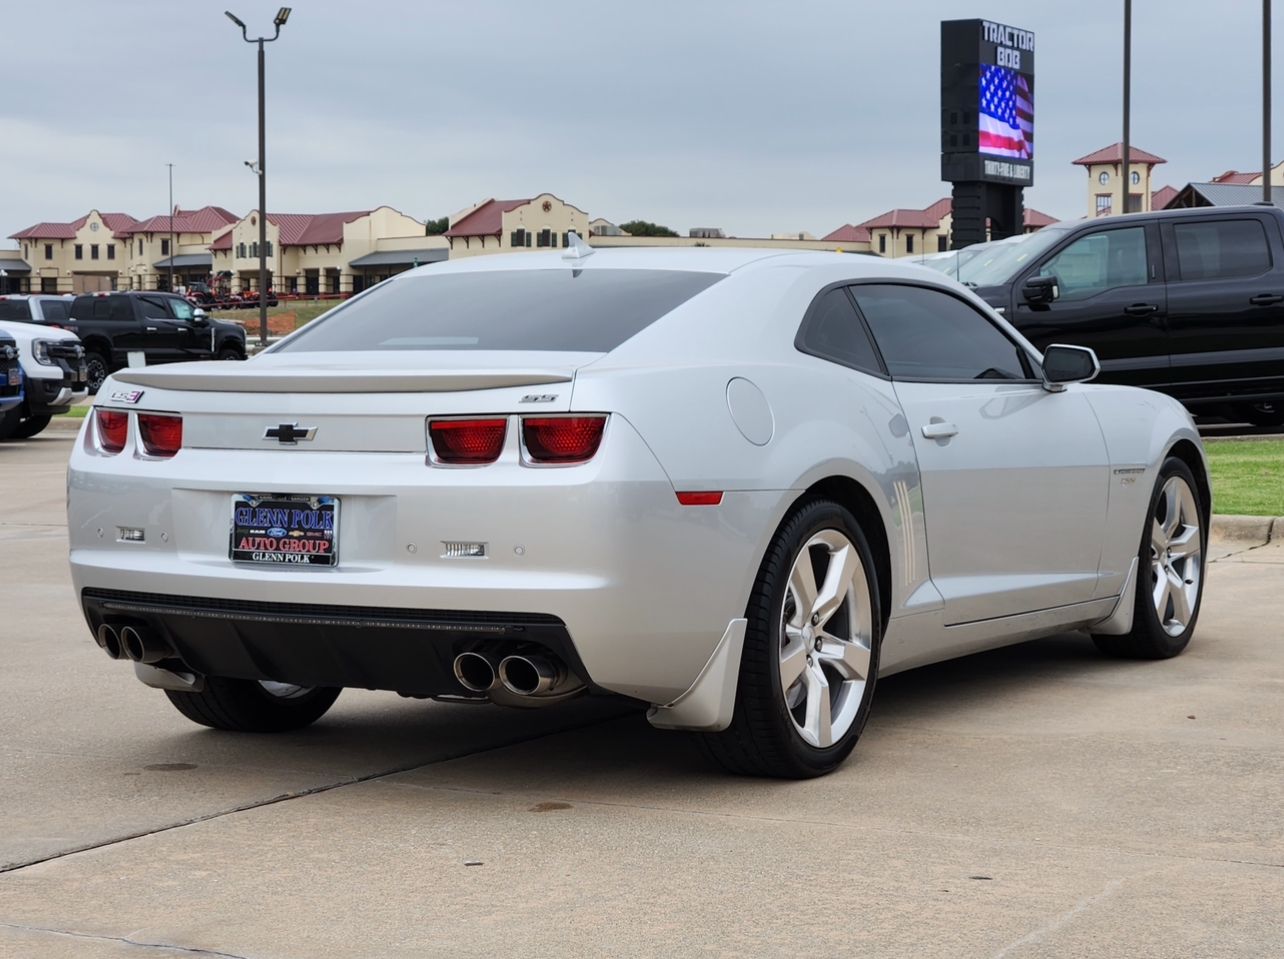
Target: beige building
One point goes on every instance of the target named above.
(898, 233)
(503, 226)
(86, 254)
(1105, 180)
(323, 253)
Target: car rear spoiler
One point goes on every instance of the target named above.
(235, 378)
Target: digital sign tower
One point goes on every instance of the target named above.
(987, 125)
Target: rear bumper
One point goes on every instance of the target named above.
(600, 560)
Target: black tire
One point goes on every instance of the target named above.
(98, 370)
(245, 706)
(1261, 414)
(230, 353)
(763, 738)
(1148, 638)
(31, 426)
(9, 421)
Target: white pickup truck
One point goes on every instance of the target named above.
(52, 359)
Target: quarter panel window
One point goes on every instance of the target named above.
(927, 334)
(1099, 262)
(834, 332)
(1222, 248)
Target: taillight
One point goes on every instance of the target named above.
(562, 439)
(113, 429)
(467, 442)
(161, 433)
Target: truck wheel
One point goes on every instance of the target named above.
(1261, 414)
(1170, 571)
(247, 706)
(31, 426)
(99, 369)
(229, 353)
(9, 421)
(810, 654)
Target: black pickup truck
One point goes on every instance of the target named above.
(162, 326)
(1188, 302)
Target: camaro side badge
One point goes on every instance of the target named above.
(127, 396)
(538, 398)
(289, 434)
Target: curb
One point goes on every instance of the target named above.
(1245, 529)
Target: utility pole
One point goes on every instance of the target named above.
(1127, 104)
(282, 15)
(171, 226)
(1266, 102)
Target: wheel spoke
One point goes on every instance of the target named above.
(1181, 604)
(843, 565)
(1172, 509)
(849, 659)
(816, 727)
(1158, 539)
(793, 660)
(803, 582)
(1186, 542)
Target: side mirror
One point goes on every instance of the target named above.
(198, 317)
(1064, 364)
(1040, 290)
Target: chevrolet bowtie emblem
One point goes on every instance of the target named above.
(289, 434)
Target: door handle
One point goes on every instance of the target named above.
(1266, 299)
(1141, 309)
(940, 431)
(151, 329)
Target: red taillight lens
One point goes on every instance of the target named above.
(562, 439)
(467, 442)
(162, 434)
(700, 499)
(113, 428)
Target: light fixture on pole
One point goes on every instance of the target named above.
(279, 21)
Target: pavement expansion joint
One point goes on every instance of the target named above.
(159, 946)
(1050, 927)
(302, 793)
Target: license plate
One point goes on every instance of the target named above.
(82, 374)
(14, 377)
(285, 529)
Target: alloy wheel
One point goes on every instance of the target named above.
(285, 690)
(826, 636)
(1176, 561)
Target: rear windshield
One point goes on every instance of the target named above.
(594, 311)
(55, 309)
(14, 310)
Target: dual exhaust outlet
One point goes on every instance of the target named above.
(137, 643)
(525, 677)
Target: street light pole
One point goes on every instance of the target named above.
(1266, 102)
(171, 226)
(282, 15)
(1127, 104)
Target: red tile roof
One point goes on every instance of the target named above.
(1234, 176)
(941, 208)
(1114, 154)
(66, 231)
(205, 220)
(848, 234)
(223, 242)
(1160, 199)
(1033, 217)
(907, 219)
(487, 219)
(313, 229)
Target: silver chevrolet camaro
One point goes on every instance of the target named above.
(735, 485)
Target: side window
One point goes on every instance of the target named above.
(833, 331)
(121, 308)
(1098, 262)
(54, 309)
(154, 308)
(1222, 248)
(927, 334)
(181, 309)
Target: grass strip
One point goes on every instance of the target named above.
(1248, 477)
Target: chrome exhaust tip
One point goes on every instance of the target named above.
(475, 671)
(109, 640)
(529, 675)
(144, 646)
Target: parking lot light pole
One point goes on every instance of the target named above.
(282, 15)
(1266, 103)
(1127, 105)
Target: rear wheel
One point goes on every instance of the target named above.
(31, 426)
(228, 353)
(98, 370)
(1170, 571)
(810, 654)
(247, 706)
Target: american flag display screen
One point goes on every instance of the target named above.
(1005, 114)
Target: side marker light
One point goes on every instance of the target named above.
(700, 499)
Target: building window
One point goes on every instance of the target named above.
(48, 251)
(909, 243)
(1104, 203)
(254, 250)
(80, 252)
(49, 284)
(334, 282)
(544, 238)
(111, 251)
(566, 240)
(1104, 178)
(93, 251)
(1136, 177)
(26, 252)
(518, 238)
(1134, 202)
(942, 243)
(164, 247)
(240, 250)
(882, 243)
(268, 246)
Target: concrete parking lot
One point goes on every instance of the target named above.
(1039, 801)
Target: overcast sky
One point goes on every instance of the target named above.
(755, 116)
